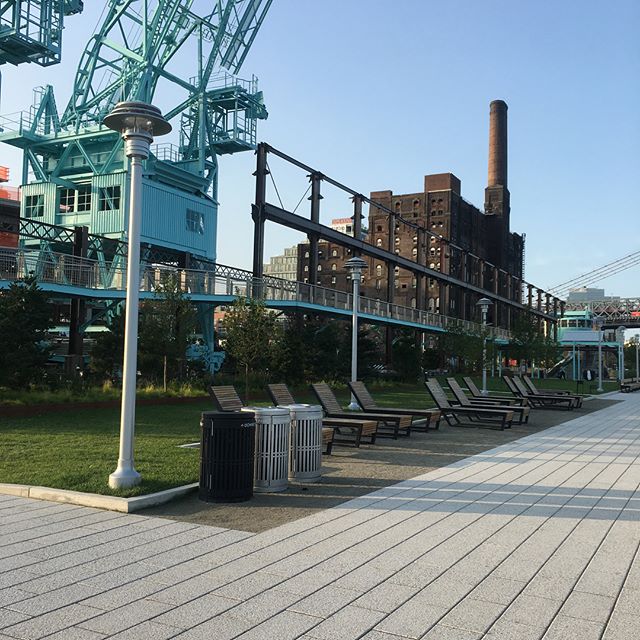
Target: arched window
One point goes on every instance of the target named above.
(379, 242)
(334, 267)
(414, 251)
(334, 253)
(416, 205)
(378, 269)
(397, 205)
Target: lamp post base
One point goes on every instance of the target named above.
(124, 478)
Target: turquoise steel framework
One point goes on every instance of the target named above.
(31, 30)
(180, 54)
(74, 170)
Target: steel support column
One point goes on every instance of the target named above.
(258, 210)
(78, 305)
(315, 197)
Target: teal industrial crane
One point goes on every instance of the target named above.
(181, 55)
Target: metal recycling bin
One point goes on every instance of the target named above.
(305, 460)
(227, 454)
(273, 428)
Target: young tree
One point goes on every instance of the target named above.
(166, 324)
(251, 331)
(164, 327)
(108, 348)
(407, 355)
(25, 318)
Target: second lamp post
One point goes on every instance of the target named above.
(484, 304)
(355, 266)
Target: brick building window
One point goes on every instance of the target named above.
(334, 267)
(379, 242)
(334, 253)
(319, 267)
(378, 269)
(379, 227)
(414, 252)
(333, 280)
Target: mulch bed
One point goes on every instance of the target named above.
(27, 411)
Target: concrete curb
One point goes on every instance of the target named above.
(110, 503)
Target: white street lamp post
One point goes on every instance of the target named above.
(637, 336)
(484, 304)
(620, 331)
(355, 266)
(138, 122)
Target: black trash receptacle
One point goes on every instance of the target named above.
(227, 456)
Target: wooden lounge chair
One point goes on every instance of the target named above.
(550, 392)
(427, 417)
(475, 392)
(476, 416)
(522, 412)
(546, 402)
(388, 424)
(280, 395)
(226, 398)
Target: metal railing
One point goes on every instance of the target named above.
(67, 270)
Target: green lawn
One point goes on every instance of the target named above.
(78, 449)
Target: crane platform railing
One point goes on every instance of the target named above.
(86, 275)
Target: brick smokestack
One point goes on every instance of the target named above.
(498, 144)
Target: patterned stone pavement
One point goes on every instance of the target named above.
(537, 538)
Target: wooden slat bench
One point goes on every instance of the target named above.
(475, 416)
(388, 424)
(426, 417)
(630, 384)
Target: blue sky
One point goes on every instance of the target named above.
(377, 94)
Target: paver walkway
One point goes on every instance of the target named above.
(538, 538)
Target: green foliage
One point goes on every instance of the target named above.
(25, 317)
(327, 353)
(251, 333)
(407, 356)
(107, 351)
(165, 326)
(530, 344)
(459, 350)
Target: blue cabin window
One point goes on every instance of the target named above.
(75, 200)
(34, 206)
(84, 198)
(195, 222)
(109, 198)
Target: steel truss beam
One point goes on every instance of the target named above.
(263, 211)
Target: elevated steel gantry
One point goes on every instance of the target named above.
(467, 273)
(31, 30)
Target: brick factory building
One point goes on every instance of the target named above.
(441, 210)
